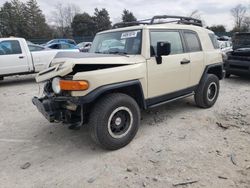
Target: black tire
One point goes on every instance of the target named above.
(207, 92)
(114, 121)
(227, 75)
(1, 78)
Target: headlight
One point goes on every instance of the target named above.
(56, 85)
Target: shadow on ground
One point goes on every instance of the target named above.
(17, 80)
(57, 138)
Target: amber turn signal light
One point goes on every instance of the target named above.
(70, 85)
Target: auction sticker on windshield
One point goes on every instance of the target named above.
(130, 34)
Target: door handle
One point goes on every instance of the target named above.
(185, 61)
(21, 57)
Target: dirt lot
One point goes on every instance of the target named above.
(176, 143)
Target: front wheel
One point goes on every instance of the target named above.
(114, 121)
(207, 92)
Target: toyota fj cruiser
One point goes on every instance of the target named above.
(130, 69)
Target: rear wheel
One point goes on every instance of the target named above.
(207, 92)
(114, 121)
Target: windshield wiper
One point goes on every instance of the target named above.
(113, 52)
(119, 53)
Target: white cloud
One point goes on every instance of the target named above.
(212, 11)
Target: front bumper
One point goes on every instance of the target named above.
(48, 108)
(59, 109)
(237, 67)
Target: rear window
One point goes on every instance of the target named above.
(214, 40)
(193, 42)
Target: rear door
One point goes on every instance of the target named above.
(12, 58)
(196, 55)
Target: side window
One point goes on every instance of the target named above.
(33, 48)
(71, 42)
(55, 46)
(64, 46)
(10, 47)
(173, 37)
(193, 42)
(214, 41)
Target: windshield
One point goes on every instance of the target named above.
(122, 42)
(241, 41)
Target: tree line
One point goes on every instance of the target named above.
(27, 20)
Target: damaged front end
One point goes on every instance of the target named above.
(71, 83)
(56, 104)
(59, 108)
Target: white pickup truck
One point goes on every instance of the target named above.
(16, 58)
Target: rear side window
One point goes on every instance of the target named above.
(34, 48)
(10, 47)
(173, 37)
(214, 41)
(193, 42)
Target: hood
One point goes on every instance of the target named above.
(94, 58)
(242, 52)
(66, 63)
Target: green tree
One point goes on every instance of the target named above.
(23, 20)
(83, 25)
(13, 19)
(6, 25)
(128, 16)
(102, 20)
(35, 20)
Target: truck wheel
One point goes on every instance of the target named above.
(1, 78)
(114, 121)
(227, 75)
(207, 92)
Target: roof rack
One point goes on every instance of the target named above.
(175, 19)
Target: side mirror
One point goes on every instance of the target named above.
(163, 48)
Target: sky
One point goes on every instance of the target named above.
(213, 12)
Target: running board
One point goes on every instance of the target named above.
(171, 100)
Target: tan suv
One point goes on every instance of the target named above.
(131, 69)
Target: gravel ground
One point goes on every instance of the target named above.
(176, 143)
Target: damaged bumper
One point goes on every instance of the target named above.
(59, 109)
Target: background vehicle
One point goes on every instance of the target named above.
(17, 58)
(131, 69)
(62, 46)
(84, 46)
(225, 46)
(69, 41)
(35, 47)
(238, 61)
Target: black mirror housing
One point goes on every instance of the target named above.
(163, 48)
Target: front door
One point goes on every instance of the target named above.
(173, 75)
(12, 59)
